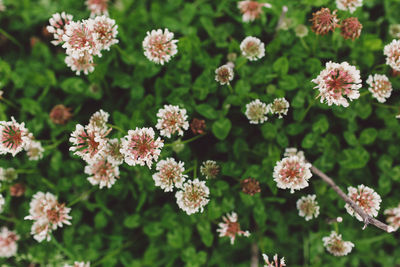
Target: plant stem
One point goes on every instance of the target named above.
(230, 88)
(386, 106)
(8, 219)
(187, 140)
(304, 44)
(54, 145)
(117, 128)
(188, 170)
(195, 169)
(254, 255)
(310, 104)
(8, 102)
(62, 248)
(82, 196)
(112, 253)
(11, 38)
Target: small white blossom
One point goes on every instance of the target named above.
(365, 197)
(224, 74)
(171, 120)
(102, 172)
(57, 26)
(392, 53)
(336, 246)
(349, 5)
(279, 106)
(252, 48)
(308, 207)
(160, 46)
(169, 174)
(230, 227)
(14, 137)
(2, 202)
(8, 243)
(256, 112)
(34, 150)
(275, 262)
(193, 196)
(380, 87)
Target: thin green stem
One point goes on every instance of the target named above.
(8, 219)
(304, 44)
(241, 64)
(306, 249)
(8, 102)
(386, 106)
(195, 169)
(11, 38)
(62, 248)
(55, 145)
(336, 226)
(112, 253)
(188, 170)
(185, 141)
(310, 104)
(230, 88)
(19, 171)
(364, 93)
(82, 196)
(117, 128)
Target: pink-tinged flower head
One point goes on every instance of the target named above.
(34, 150)
(171, 120)
(198, 126)
(209, 169)
(2, 6)
(365, 197)
(105, 31)
(336, 246)
(17, 190)
(193, 196)
(279, 106)
(98, 121)
(292, 173)
(393, 217)
(348, 5)
(97, 7)
(351, 28)
(250, 186)
(308, 207)
(102, 172)
(14, 137)
(324, 21)
(140, 147)
(224, 74)
(392, 53)
(230, 227)
(160, 46)
(41, 230)
(39, 204)
(78, 264)
(113, 153)
(2, 202)
(87, 143)
(275, 262)
(380, 87)
(251, 10)
(81, 64)
(170, 174)
(57, 26)
(57, 215)
(336, 81)
(8, 243)
(256, 112)
(252, 48)
(80, 39)
(60, 114)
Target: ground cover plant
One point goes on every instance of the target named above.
(199, 133)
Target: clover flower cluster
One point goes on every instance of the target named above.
(366, 198)
(348, 5)
(14, 138)
(256, 111)
(392, 53)
(231, 228)
(159, 46)
(393, 217)
(171, 120)
(252, 48)
(380, 87)
(83, 39)
(48, 214)
(275, 263)
(308, 207)
(251, 10)
(8, 243)
(97, 7)
(336, 246)
(78, 264)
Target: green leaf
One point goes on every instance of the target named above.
(368, 136)
(206, 235)
(221, 128)
(321, 125)
(269, 130)
(132, 221)
(281, 66)
(100, 220)
(207, 111)
(288, 83)
(354, 158)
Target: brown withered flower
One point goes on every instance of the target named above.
(324, 21)
(198, 126)
(17, 190)
(60, 114)
(250, 186)
(351, 28)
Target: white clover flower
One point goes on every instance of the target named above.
(292, 173)
(105, 32)
(230, 227)
(78, 264)
(113, 153)
(392, 53)
(98, 121)
(171, 120)
(348, 5)
(308, 207)
(8, 175)
(301, 30)
(275, 262)
(97, 7)
(365, 197)
(102, 172)
(380, 87)
(224, 74)
(34, 150)
(169, 175)
(160, 46)
(14, 137)
(337, 81)
(336, 246)
(193, 196)
(140, 147)
(252, 48)
(57, 26)
(41, 230)
(256, 112)
(292, 151)
(8, 243)
(209, 169)
(82, 64)
(2, 202)
(251, 10)
(279, 106)
(394, 30)
(393, 217)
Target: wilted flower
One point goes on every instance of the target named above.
(8, 243)
(209, 169)
(252, 48)
(251, 9)
(105, 31)
(250, 186)
(380, 87)
(279, 106)
(301, 30)
(337, 81)
(60, 114)
(2, 202)
(275, 263)
(393, 217)
(57, 26)
(13, 137)
(336, 246)
(171, 120)
(178, 146)
(292, 173)
(160, 46)
(82, 64)
(8, 175)
(198, 126)
(256, 112)
(193, 196)
(170, 174)
(34, 150)
(324, 21)
(308, 207)
(140, 147)
(366, 198)
(97, 7)
(392, 53)
(102, 172)
(394, 30)
(224, 74)
(231, 57)
(230, 227)
(351, 28)
(17, 190)
(292, 151)
(348, 5)
(98, 121)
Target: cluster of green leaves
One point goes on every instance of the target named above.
(136, 224)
